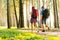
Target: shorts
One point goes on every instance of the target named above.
(33, 20)
(43, 20)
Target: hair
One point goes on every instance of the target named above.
(33, 7)
(42, 6)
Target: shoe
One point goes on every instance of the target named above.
(43, 30)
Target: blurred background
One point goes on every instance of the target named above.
(16, 13)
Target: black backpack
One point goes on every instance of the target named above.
(46, 13)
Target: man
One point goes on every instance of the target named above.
(44, 16)
(43, 20)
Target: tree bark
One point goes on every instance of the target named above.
(43, 2)
(15, 14)
(27, 13)
(56, 23)
(21, 17)
(8, 16)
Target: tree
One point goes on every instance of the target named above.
(17, 22)
(21, 17)
(56, 24)
(20, 22)
(8, 16)
(43, 2)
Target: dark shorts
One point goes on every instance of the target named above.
(33, 20)
(43, 20)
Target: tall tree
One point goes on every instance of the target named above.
(27, 12)
(43, 2)
(32, 2)
(8, 16)
(21, 17)
(17, 22)
(56, 24)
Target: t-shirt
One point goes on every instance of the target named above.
(42, 12)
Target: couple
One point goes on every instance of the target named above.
(34, 16)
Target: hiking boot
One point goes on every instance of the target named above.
(43, 30)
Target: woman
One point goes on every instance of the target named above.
(33, 20)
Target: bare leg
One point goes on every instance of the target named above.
(43, 25)
(36, 24)
(32, 25)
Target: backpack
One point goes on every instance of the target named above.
(34, 14)
(46, 13)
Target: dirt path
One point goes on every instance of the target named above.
(46, 33)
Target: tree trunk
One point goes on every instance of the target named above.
(56, 24)
(21, 17)
(8, 16)
(43, 2)
(32, 2)
(16, 14)
(27, 13)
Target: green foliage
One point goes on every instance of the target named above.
(15, 35)
(9, 34)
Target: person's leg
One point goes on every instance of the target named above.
(46, 24)
(36, 25)
(43, 24)
(32, 25)
(43, 29)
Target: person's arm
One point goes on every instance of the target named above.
(40, 17)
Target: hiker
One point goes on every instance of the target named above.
(34, 16)
(44, 16)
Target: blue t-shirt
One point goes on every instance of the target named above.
(42, 12)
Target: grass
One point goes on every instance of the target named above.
(13, 34)
(10, 34)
